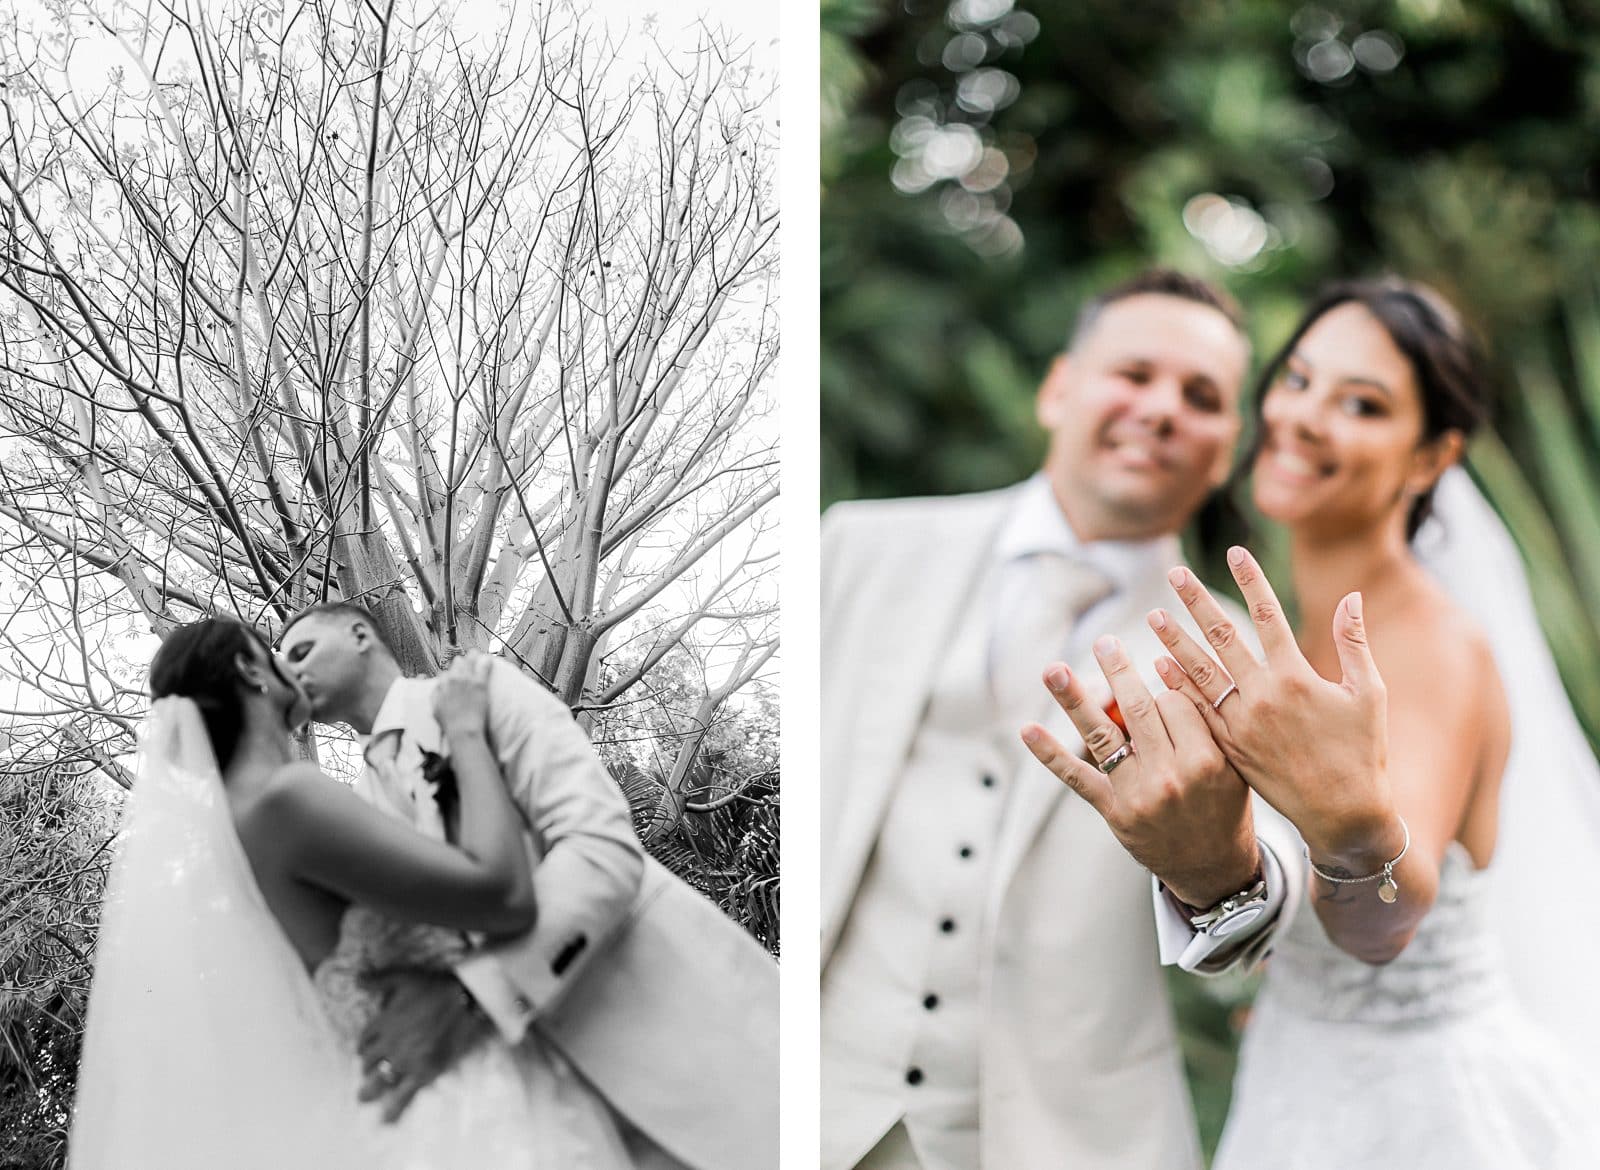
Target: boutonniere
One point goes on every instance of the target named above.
(441, 777)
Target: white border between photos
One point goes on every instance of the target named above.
(798, 397)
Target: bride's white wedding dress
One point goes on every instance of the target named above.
(1473, 1049)
(208, 1045)
(1426, 1063)
(495, 1110)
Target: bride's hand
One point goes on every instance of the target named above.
(1315, 750)
(461, 695)
(1175, 804)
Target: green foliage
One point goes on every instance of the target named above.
(1269, 146)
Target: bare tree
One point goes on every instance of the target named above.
(340, 301)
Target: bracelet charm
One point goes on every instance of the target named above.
(1388, 888)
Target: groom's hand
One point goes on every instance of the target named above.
(428, 1022)
(1176, 804)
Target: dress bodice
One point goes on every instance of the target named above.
(1450, 967)
(1426, 1062)
(370, 942)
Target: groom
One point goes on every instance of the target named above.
(667, 1009)
(991, 991)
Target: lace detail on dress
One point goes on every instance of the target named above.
(1427, 1062)
(499, 1108)
(1450, 967)
(370, 942)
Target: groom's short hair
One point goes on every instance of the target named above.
(346, 609)
(1166, 282)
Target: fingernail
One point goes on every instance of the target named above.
(1030, 734)
(1105, 645)
(1056, 678)
(1178, 577)
(1158, 620)
(1236, 556)
(1354, 605)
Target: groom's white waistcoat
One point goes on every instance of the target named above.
(666, 1007)
(1078, 1067)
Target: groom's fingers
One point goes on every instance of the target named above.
(1100, 735)
(474, 664)
(1084, 779)
(1139, 712)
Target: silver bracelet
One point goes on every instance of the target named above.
(1388, 888)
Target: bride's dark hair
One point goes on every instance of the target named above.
(196, 662)
(1451, 375)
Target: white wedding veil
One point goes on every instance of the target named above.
(1547, 854)
(206, 1046)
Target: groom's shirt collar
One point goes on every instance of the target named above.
(408, 708)
(1036, 524)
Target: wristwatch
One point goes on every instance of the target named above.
(1235, 912)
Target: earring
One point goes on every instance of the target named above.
(262, 687)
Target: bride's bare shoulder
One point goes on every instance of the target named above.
(297, 791)
(1435, 644)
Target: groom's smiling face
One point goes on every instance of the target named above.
(1143, 414)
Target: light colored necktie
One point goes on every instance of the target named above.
(1033, 626)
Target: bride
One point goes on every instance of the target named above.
(1388, 1031)
(248, 900)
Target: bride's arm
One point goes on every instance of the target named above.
(333, 839)
(1449, 734)
(1323, 754)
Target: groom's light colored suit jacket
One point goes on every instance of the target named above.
(665, 1006)
(1079, 1066)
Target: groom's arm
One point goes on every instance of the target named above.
(588, 876)
(1283, 872)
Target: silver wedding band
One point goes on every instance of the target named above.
(1217, 705)
(1114, 760)
(386, 1072)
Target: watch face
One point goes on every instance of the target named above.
(1235, 922)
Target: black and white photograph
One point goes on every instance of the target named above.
(389, 615)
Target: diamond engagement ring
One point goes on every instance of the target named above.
(386, 1072)
(1115, 759)
(1217, 706)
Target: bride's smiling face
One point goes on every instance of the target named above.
(1342, 426)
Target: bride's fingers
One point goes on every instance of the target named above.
(1208, 679)
(1272, 627)
(1355, 655)
(1083, 778)
(395, 1103)
(374, 1086)
(1236, 657)
(1176, 679)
